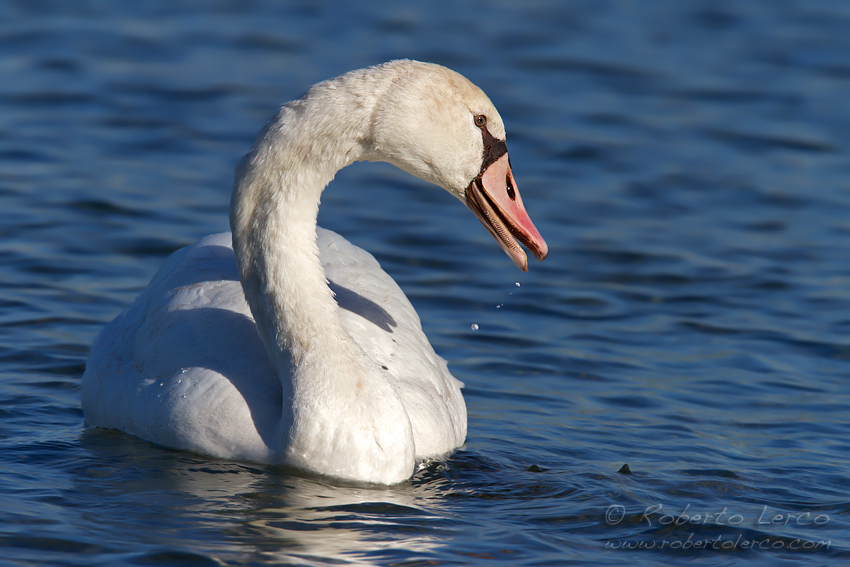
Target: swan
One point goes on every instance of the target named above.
(281, 342)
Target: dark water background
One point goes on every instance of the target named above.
(687, 163)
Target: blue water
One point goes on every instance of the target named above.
(688, 164)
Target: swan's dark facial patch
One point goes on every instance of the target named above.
(493, 148)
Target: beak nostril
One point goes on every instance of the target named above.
(511, 190)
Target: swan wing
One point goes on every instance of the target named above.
(184, 366)
(378, 316)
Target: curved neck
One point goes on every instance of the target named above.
(336, 403)
(273, 214)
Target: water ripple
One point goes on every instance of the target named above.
(687, 165)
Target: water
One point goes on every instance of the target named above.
(687, 164)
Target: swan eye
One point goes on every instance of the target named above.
(480, 120)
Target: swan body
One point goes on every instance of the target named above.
(282, 342)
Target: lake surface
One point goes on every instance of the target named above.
(688, 164)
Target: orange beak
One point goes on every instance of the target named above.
(495, 200)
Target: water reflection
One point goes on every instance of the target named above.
(313, 520)
(256, 512)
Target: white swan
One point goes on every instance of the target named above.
(273, 369)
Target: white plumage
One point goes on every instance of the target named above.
(299, 349)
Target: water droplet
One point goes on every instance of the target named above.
(474, 327)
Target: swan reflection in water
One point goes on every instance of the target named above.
(254, 513)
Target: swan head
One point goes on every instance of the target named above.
(435, 124)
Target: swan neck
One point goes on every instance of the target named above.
(335, 402)
(273, 219)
